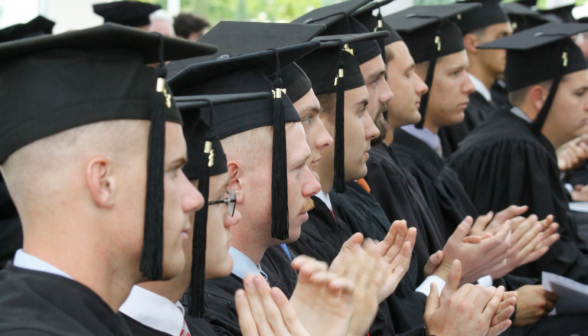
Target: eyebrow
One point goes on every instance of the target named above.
(364, 102)
(310, 109)
(376, 75)
(301, 160)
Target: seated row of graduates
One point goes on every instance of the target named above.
(290, 109)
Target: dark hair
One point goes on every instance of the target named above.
(186, 24)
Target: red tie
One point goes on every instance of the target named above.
(333, 214)
(185, 331)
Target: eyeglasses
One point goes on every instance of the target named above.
(230, 201)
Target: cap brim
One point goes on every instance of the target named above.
(417, 17)
(109, 35)
(188, 102)
(329, 41)
(328, 15)
(371, 6)
(537, 37)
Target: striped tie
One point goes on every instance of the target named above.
(185, 331)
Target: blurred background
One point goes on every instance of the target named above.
(78, 14)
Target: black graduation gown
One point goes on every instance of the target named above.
(39, 303)
(499, 94)
(11, 238)
(322, 238)
(478, 110)
(400, 197)
(221, 311)
(502, 163)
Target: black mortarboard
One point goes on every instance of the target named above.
(376, 23)
(522, 17)
(564, 13)
(429, 33)
(333, 69)
(36, 27)
(127, 13)
(234, 38)
(87, 76)
(205, 158)
(296, 82)
(339, 20)
(539, 54)
(490, 13)
(245, 74)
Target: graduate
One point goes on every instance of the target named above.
(11, 229)
(127, 13)
(546, 79)
(99, 157)
(482, 25)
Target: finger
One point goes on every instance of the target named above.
(482, 222)
(388, 241)
(480, 296)
(256, 305)
(472, 239)
(492, 306)
(299, 261)
(246, 321)
(433, 262)
(527, 243)
(550, 296)
(549, 306)
(453, 279)
(510, 212)
(524, 227)
(272, 313)
(288, 314)
(401, 236)
(432, 301)
(499, 329)
(461, 232)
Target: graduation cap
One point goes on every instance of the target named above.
(36, 27)
(522, 17)
(127, 13)
(429, 33)
(339, 20)
(539, 54)
(235, 38)
(205, 158)
(56, 83)
(376, 23)
(246, 74)
(333, 69)
(296, 82)
(563, 12)
(489, 14)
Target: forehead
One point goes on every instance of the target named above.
(400, 52)
(576, 77)
(457, 59)
(296, 141)
(175, 143)
(373, 65)
(307, 103)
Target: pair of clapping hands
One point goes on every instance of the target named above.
(343, 299)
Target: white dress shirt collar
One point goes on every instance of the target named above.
(325, 198)
(431, 139)
(519, 113)
(154, 311)
(481, 88)
(242, 265)
(27, 261)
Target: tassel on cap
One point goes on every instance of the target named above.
(280, 216)
(196, 302)
(435, 48)
(152, 253)
(339, 181)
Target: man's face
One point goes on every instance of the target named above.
(407, 86)
(449, 92)
(317, 137)
(494, 60)
(569, 112)
(374, 74)
(219, 262)
(181, 200)
(359, 132)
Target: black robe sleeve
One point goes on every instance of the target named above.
(11, 237)
(502, 163)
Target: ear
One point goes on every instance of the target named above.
(471, 43)
(538, 95)
(100, 181)
(235, 171)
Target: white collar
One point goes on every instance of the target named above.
(242, 265)
(481, 88)
(154, 311)
(519, 113)
(325, 198)
(30, 262)
(431, 139)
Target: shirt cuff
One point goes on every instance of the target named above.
(486, 281)
(569, 187)
(425, 287)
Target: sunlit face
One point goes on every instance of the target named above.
(360, 130)
(449, 92)
(407, 86)
(374, 74)
(569, 112)
(494, 60)
(317, 137)
(219, 262)
(181, 200)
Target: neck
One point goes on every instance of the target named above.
(389, 136)
(431, 126)
(326, 173)
(553, 135)
(172, 289)
(89, 261)
(249, 241)
(481, 73)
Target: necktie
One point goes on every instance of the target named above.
(185, 331)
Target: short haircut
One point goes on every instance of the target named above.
(328, 103)
(161, 15)
(517, 97)
(479, 33)
(423, 68)
(389, 53)
(186, 24)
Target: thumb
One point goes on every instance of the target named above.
(353, 243)
(454, 278)
(433, 301)
(463, 229)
